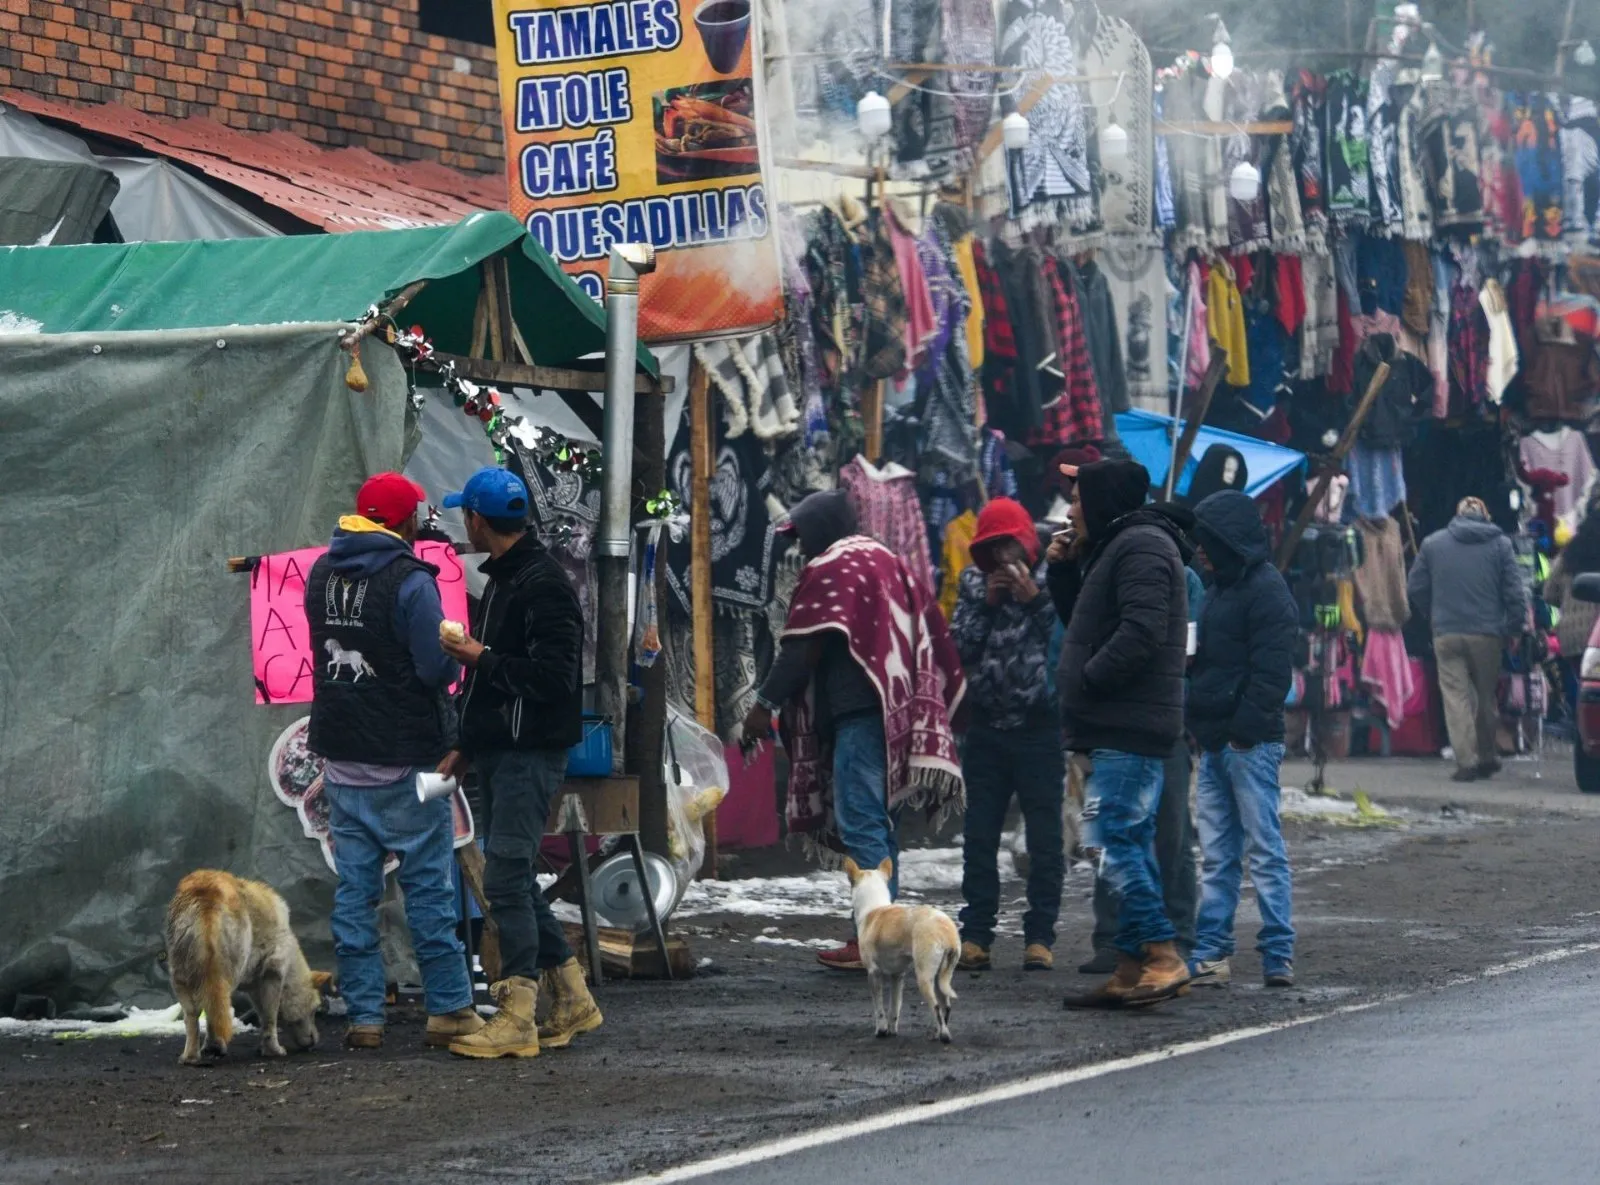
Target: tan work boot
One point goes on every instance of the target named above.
(973, 957)
(1038, 957)
(447, 1026)
(572, 1008)
(1163, 975)
(1114, 992)
(511, 1032)
(363, 1037)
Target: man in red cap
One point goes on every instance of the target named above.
(1002, 626)
(381, 713)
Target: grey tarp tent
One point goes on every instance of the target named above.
(133, 463)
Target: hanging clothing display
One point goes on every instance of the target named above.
(1377, 478)
(1536, 134)
(1562, 451)
(1075, 416)
(1381, 578)
(1308, 154)
(1453, 162)
(1416, 206)
(887, 508)
(1098, 308)
(1387, 673)
(1198, 181)
(1502, 189)
(1051, 180)
(1560, 372)
(920, 321)
(1281, 183)
(946, 385)
(957, 557)
(1319, 330)
(1126, 198)
(1383, 150)
(1248, 227)
(1225, 318)
(1165, 204)
(1137, 279)
(1349, 176)
(1580, 171)
(1504, 358)
(744, 547)
(749, 376)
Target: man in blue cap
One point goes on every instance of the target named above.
(521, 711)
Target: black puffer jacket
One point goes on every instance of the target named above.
(1242, 669)
(1126, 610)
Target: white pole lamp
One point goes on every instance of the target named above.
(1014, 131)
(1244, 183)
(872, 115)
(1113, 142)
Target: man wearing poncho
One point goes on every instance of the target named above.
(866, 681)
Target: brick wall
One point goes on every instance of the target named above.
(338, 72)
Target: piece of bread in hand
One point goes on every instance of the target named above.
(452, 631)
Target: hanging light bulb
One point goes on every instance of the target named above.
(1221, 51)
(1113, 142)
(872, 115)
(1244, 183)
(1433, 64)
(1584, 54)
(1014, 130)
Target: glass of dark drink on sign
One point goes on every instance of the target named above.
(724, 27)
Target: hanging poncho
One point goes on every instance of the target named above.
(1580, 171)
(1051, 180)
(1278, 173)
(1349, 179)
(1383, 157)
(1308, 151)
(1536, 134)
(1414, 201)
(1117, 53)
(1452, 159)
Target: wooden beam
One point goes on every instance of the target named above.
(705, 686)
(1331, 467)
(491, 304)
(872, 420)
(996, 135)
(1205, 127)
(480, 324)
(1195, 418)
(502, 307)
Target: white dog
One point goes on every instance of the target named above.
(898, 938)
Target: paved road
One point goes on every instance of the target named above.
(1494, 1081)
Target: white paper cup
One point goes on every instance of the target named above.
(1194, 638)
(431, 786)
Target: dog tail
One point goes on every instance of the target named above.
(947, 969)
(194, 941)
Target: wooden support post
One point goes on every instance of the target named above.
(1331, 467)
(490, 296)
(705, 685)
(872, 420)
(1195, 418)
(507, 328)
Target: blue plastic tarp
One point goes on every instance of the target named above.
(1147, 439)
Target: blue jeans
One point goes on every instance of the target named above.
(367, 822)
(1026, 763)
(516, 789)
(1237, 800)
(1121, 798)
(861, 794)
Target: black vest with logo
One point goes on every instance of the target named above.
(368, 704)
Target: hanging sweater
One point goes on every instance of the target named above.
(1225, 313)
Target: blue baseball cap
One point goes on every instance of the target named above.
(493, 493)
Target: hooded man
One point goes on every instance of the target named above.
(1466, 583)
(1117, 580)
(866, 679)
(381, 712)
(1237, 687)
(1002, 627)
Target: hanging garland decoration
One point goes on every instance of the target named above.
(484, 403)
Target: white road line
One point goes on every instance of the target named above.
(1039, 1084)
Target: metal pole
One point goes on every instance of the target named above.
(629, 261)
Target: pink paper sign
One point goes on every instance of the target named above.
(280, 638)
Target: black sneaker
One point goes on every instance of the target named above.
(1279, 975)
(1465, 775)
(1488, 769)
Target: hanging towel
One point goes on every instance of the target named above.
(1387, 674)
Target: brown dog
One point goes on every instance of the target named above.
(225, 933)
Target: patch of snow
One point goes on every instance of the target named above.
(924, 870)
(818, 895)
(140, 1022)
(1295, 803)
(802, 943)
(15, 324)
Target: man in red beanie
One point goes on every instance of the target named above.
(1003, 626)
(381, 713)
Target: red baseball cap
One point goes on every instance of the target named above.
(389, 498)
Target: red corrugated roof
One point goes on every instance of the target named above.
(336, 189)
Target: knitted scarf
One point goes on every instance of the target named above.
(1349, 179)
(861, 589)
(1051, 180)
(1283, 194)
(1414, 201)
(1308, 152)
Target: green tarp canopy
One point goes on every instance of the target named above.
(296, 278)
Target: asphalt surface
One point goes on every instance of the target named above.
(1491, 1081)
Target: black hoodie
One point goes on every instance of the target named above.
(1243, 666)
(1126, 609)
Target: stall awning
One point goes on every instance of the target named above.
(272, 281)
(1145, 434)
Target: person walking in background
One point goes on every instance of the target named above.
(1117, 581)
(521, 712)
(1175, 858)
(866, 679)
(1237, 686)
(380, 714)
(1467, 585)
(1579, 557)
(1002, 626)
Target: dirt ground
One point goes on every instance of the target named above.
(764, 1041)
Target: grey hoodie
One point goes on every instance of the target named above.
(1466, 581)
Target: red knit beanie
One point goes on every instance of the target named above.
(1004, 518)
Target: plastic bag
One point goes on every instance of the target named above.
(696, 775)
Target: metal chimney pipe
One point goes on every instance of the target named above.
(629, 261)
